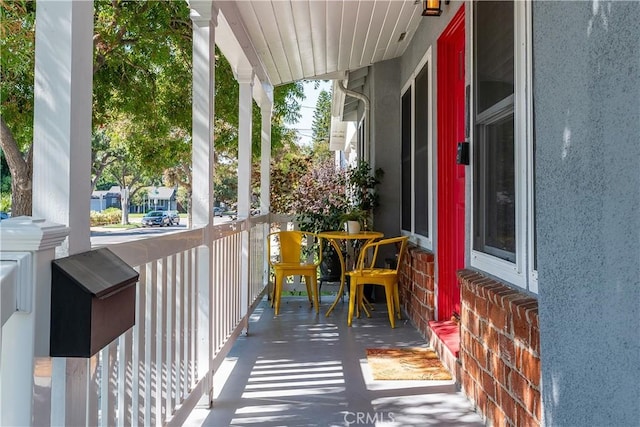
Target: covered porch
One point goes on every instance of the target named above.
(196, 290)
(303, 369)
(569, 205)
(206, 348)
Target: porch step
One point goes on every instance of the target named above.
(445, 340)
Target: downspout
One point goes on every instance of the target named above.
(367, 107)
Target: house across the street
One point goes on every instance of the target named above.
(153, 198)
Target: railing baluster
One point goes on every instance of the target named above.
(170, 336)
(109, 378)
(163, 323)
(125, 380)
(193, 307)
(150, 343)
(138, 356)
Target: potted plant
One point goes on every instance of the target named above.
(353, 220)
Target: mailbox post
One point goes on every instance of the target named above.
(29, 243)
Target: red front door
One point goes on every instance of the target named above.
(451, 182)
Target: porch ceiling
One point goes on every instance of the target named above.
(289, 40)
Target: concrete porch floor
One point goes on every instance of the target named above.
(303, 369)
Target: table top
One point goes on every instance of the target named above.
(350, 236)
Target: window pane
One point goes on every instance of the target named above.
(493, 52)
(422, 153)
(494, 171)
(495, 224)
(406, 161)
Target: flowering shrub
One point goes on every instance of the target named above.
(325, 196)
(320, 198)
(107, 216)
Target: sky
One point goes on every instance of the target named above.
(308, 107)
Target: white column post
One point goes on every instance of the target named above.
(62, 118)
(26, 333)
(265, 179)
(245, 79)
(203, 111)
(204, 23)
(265, 159)
(62, 161)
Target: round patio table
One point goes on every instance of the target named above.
(334, 237)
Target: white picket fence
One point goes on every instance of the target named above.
(193, 300)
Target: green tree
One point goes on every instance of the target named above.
(17, 44)
(321, 124)
(321, 127)
(142, 70)
(126, 169)
(288, 166)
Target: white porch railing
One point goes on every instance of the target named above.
(156, 372)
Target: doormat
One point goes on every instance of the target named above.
(406, 364)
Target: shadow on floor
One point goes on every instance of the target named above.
(303, 369)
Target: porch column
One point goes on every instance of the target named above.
(204, 23)
(62, 118)
(245, 79)
(265, 179)
(62, 172)
(265, 159)
(203, 111)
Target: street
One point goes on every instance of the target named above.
(102, 236)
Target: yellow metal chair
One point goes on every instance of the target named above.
(366, 273)
(294, 253)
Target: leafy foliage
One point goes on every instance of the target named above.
(288, 166)
(321, 124)
(17, 47)
(107, 216)
(142, 74)
(320, 198)
(326, 196)
(361, 186)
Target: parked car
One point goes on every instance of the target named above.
(159, 218)
(4, 215)
(174, 216)
(218, 211)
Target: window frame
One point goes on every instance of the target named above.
(522, 272)
(425, 242)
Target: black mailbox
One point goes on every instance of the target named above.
(93, 301)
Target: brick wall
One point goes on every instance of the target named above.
(500, 351)
(417, 298)
(499, 365)
(417, 287)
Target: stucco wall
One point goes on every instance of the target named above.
(385, 137)
(587, 127)
(426, 36)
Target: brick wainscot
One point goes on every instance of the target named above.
(494, 350)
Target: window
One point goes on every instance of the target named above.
(421, 154)
(416, 154)
(503, 225)
(406, 160)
